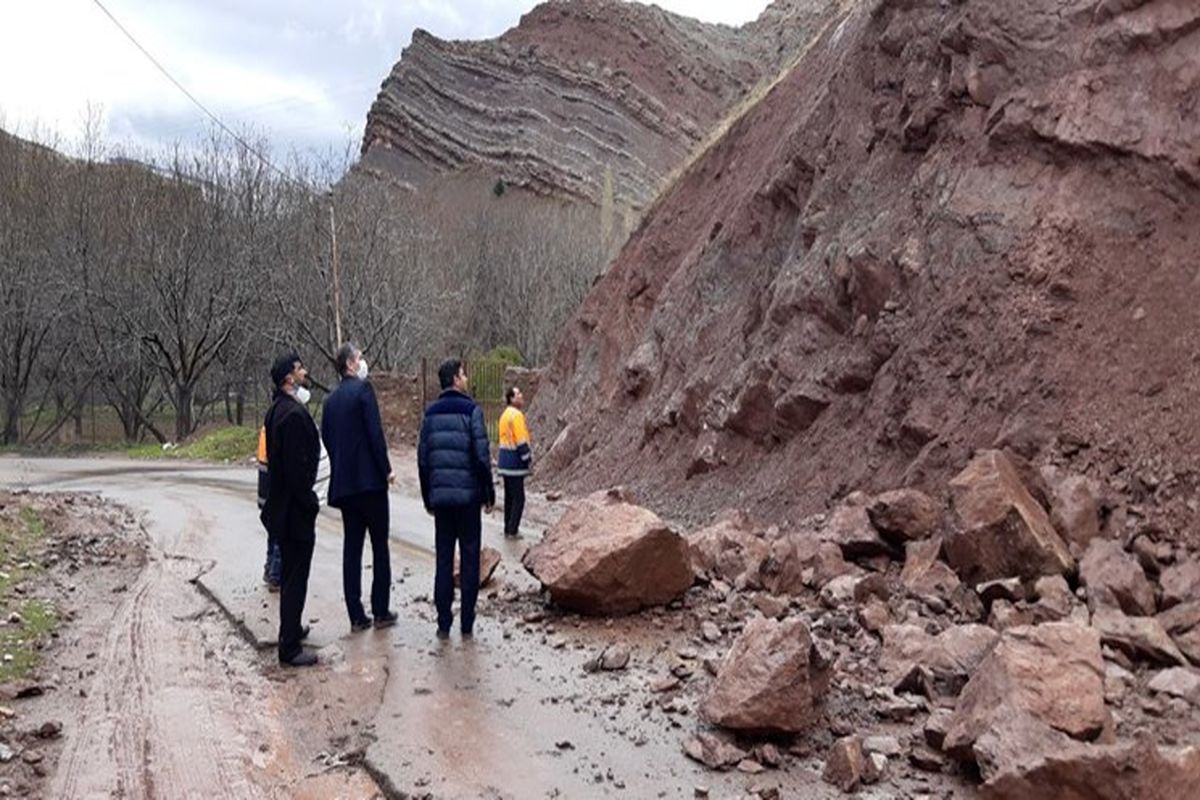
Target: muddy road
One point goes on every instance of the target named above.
(185, 698)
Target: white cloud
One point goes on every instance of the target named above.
(306, 71)
(730, 12)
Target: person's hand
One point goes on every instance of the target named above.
(392, 477)
(489, 509)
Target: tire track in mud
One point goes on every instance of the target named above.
(162, 718)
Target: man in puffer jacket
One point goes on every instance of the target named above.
(454, 463)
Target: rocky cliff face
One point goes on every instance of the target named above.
(582, 93)
(951, 226)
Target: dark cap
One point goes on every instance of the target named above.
(283, 367)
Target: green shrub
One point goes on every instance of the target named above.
(231, 443)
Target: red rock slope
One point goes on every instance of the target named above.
(950, 225)
(580, 94)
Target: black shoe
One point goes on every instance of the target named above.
(360, 625)
(516, 535)
(273, 587)
(387, 620)
(443, 635)
(301, 659)
(467, 634)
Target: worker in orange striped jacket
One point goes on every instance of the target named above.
(515, 459)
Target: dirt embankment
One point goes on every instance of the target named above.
(951, 226)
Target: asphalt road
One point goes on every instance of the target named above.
(510, 714)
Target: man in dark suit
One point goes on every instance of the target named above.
(290, 512)
(455, 467)
(360, 472)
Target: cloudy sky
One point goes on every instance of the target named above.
(303, 72)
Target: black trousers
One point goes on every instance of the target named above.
(362, 513)
(514, 503)
(297, 553)
(462, 526)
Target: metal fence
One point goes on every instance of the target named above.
(486, 385)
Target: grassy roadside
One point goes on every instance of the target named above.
(26, 623)
(232, 443)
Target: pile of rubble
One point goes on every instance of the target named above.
(1013, 636)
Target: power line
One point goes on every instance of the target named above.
(337, 302)
(217, 120)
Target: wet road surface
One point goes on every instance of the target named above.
(510, 714)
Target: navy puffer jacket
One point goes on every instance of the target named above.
(454, 459)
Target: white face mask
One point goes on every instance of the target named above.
(362, 369)
(303, 395)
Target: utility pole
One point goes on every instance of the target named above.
(337, 288)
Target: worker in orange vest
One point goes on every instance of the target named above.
(514, 460)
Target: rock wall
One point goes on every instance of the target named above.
(951, 226)
(580, 95)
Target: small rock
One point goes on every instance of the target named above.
(712, 752)
(770, 606)
(750, 767)
(1177, 682)
(878, 767)
(1137, 637)
(839, 592)
(1010, 589)
(847, 766)
(905, 515)
(665, 684)
(1180, 583)
(765, 791)
(50, 730)
(886, 745)
(927, 760)
(769, 754)
(710, 631)
(936, 727)
(614, 657)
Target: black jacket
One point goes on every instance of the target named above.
(293, 450)
(353, 434)
(454, 458)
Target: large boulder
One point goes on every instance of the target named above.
(1115, 578)
(608, 556)
(1054, 673)
(1000, 531)
(1070, 770)
(773, 680)
(904, 515)
(914, 660)
(730, 550)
